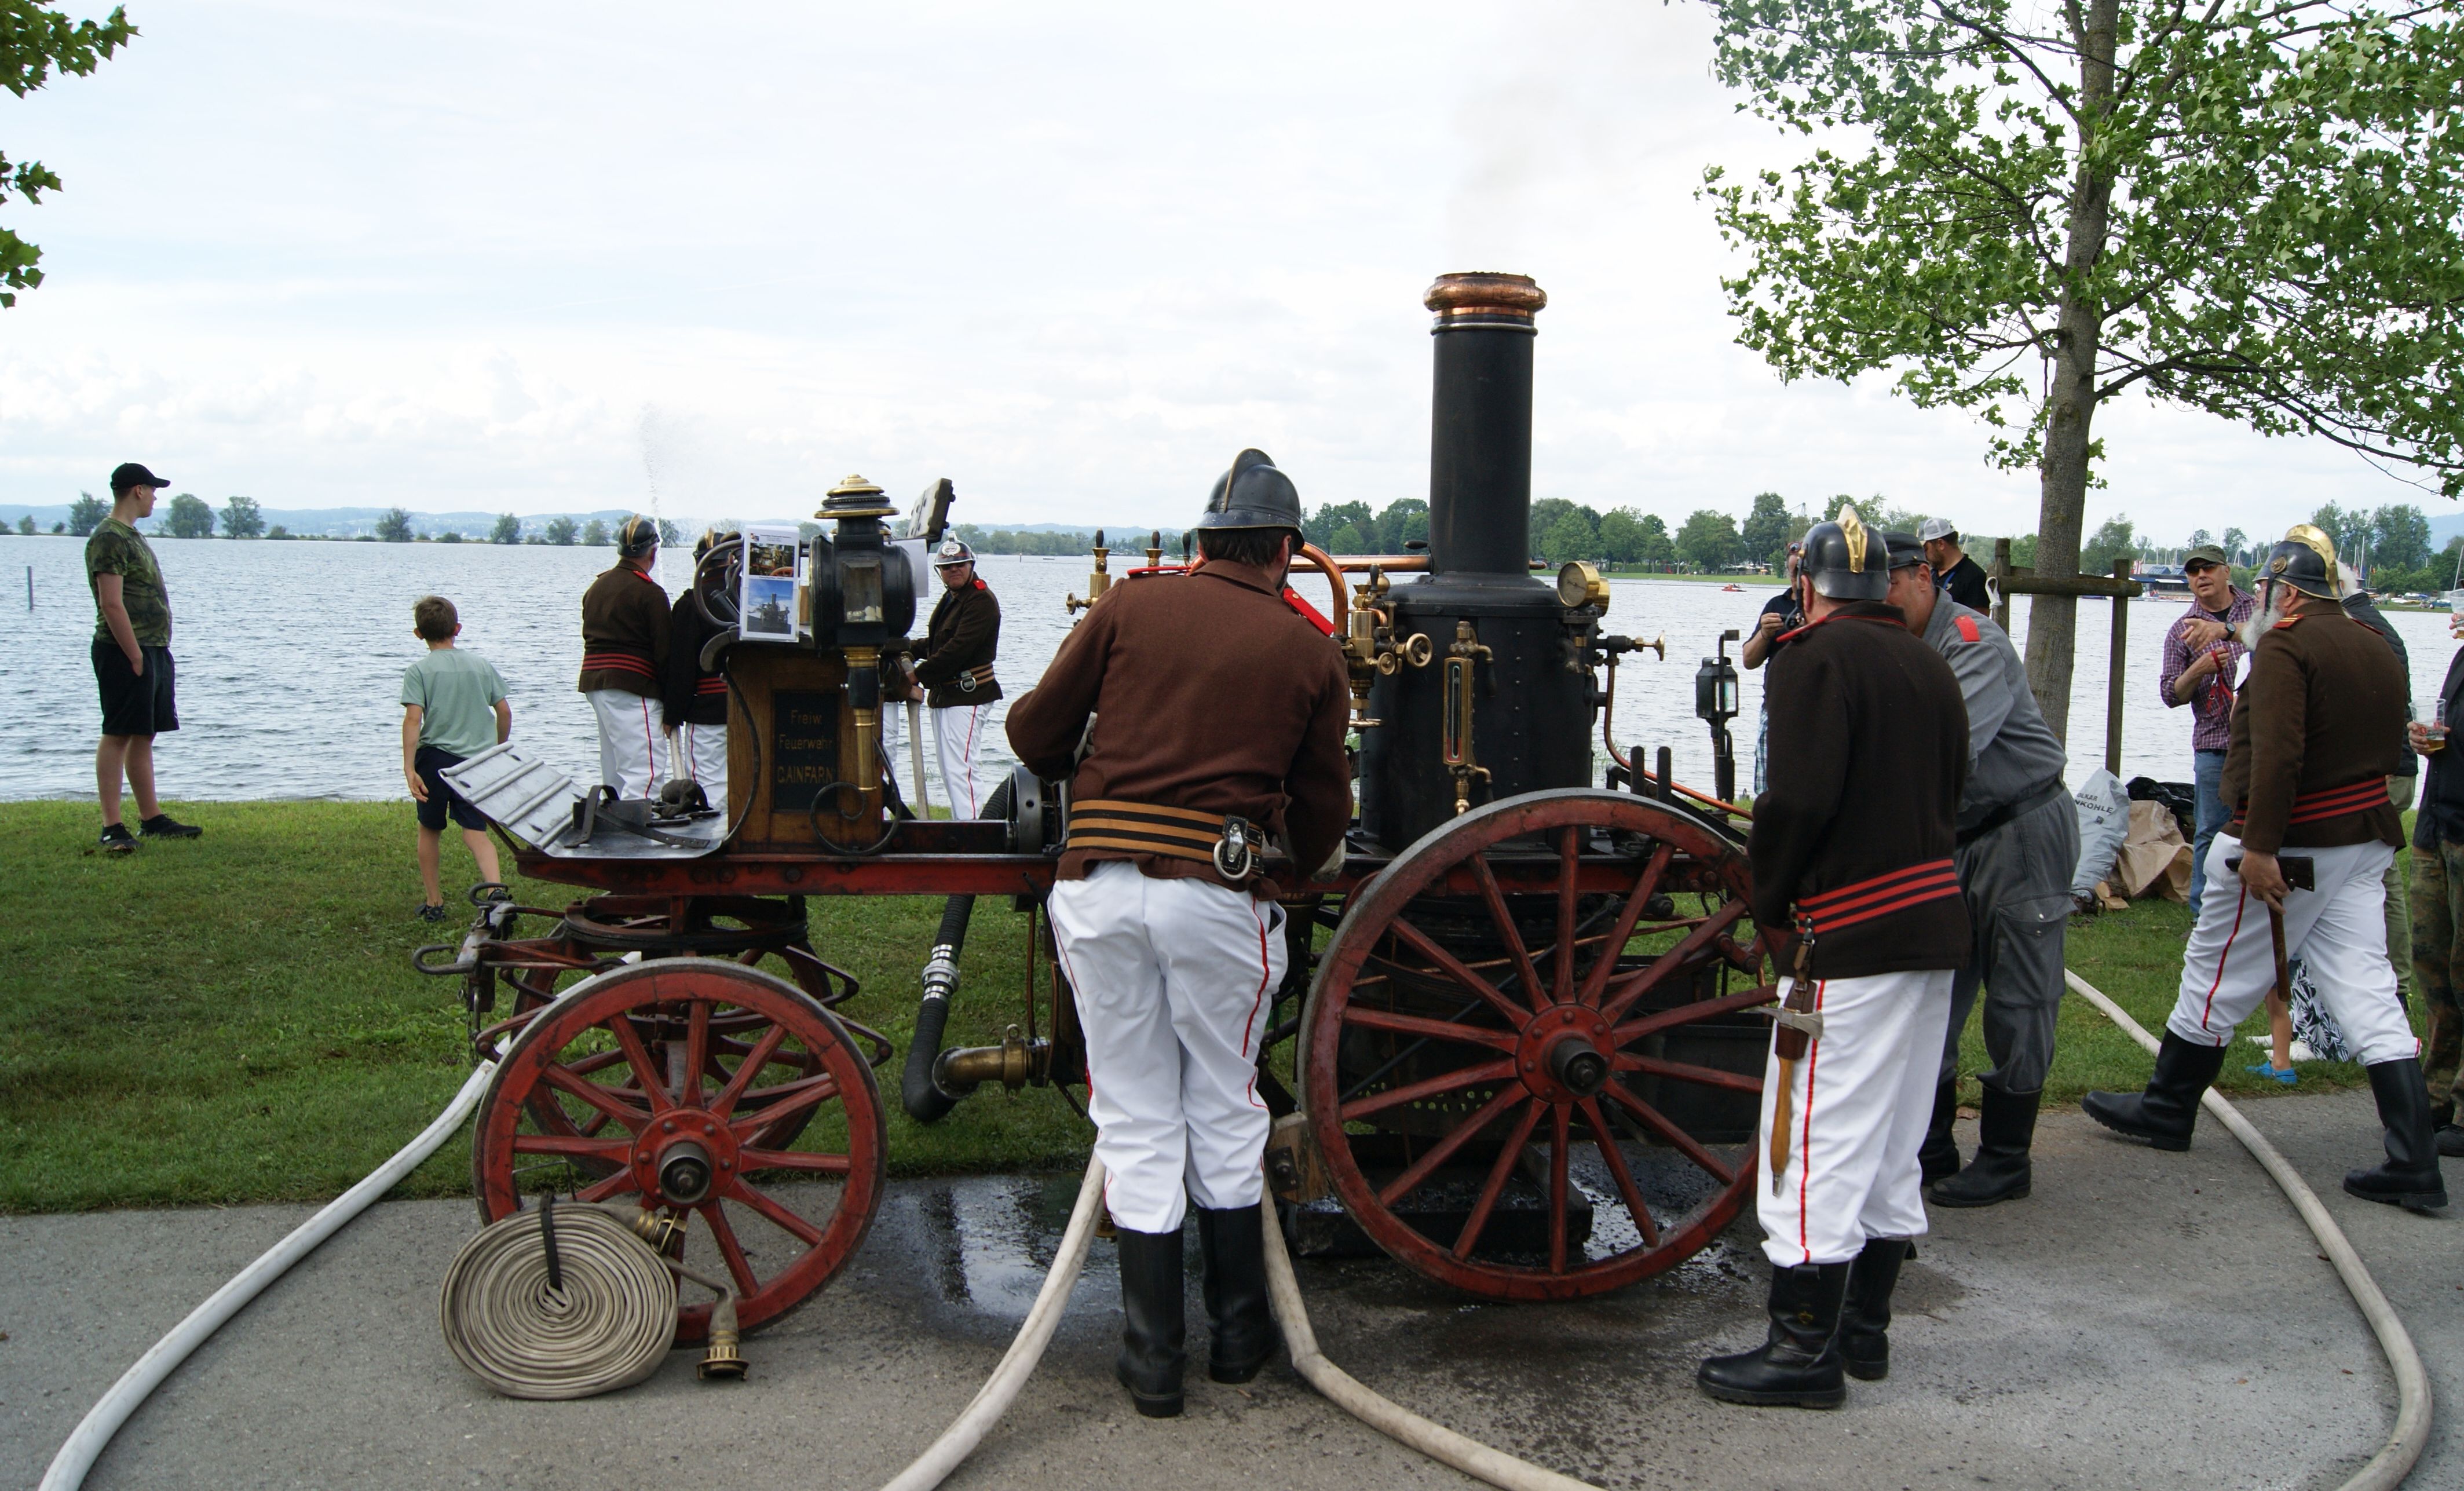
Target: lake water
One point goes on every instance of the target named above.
(291, 657)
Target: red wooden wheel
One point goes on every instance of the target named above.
(1526, 1060)
(640, 1049)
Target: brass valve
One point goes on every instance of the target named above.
(1463, 656)
(1370, 650)
(1155, 549)
(1097, 583)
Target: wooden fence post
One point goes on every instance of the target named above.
(2117, 674)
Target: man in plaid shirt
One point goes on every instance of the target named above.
(2202, 653)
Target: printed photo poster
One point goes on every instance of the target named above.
(772, 576)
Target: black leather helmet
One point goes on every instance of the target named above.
(1253, 494)
(1846, 559)
(636, 536)
(2303, 561)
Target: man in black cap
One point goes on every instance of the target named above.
(1855, 890)
(1960, 577)
(132, 659)
(955, 667)
(1223, 714)
(2017, 843)
(2315, 732)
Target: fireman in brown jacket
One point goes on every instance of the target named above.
(1854, 883)
(955, 667)
(1218, 717)
(2314, 737)
(625, 658)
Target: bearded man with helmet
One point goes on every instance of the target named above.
(624, 616)
(1194, 715)
(1856, 892)
(2315, 728)
(955, 665)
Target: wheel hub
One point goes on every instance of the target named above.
(1563, 1055)
(684, 1158)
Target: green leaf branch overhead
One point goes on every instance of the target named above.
(36, 40)
(2253, 208)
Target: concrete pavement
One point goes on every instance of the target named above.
(2144, 1320)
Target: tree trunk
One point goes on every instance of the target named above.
(2070, 403)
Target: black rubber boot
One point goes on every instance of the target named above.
(2006, 1126)
(2444, 1130)
(2410, 1178)
(2165, 1114)
(1865, 1316)
(1939, 1158)
(1799, 1364)
(1239, 1322)
(1151, 1359)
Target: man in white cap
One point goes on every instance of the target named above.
(955, 664)
(1959, 577)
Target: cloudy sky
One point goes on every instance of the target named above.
(706, 259)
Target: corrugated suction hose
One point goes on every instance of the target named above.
(566, 1302)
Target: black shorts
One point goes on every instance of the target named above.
(430, 763)
(134, 703)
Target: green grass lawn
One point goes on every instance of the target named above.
(234, 1018)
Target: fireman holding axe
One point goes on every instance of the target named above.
(1855, 892)
(2314, 735)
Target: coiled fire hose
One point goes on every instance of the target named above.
(2388, 1468)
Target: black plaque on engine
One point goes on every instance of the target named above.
(804, 747)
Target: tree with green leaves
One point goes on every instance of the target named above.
(394, 527)
(278, 531)
(1621, 536)
(1405, 522)
(188, 516)
(1572, 535)
(1321, 526)
(36, 41)
(1656, 549)
(2399, 538)
(1708, 540)
(561, 531)
(2253, 207)
(241, 518)
(508, 528)
(26, 523)
(670, 534)
(86, 514)
(2115, 540)
(594, 534)
(1765, 534)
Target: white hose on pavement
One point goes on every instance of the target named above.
(2388, 1468)
(86, 1442)
(992, 1399)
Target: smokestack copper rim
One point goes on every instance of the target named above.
(1484, 299)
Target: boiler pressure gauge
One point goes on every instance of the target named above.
(1579, 584)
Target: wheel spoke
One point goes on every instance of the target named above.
(1597, 979)
(1627, 990)
(749, 1160)
(1558, 1129)
(1615, 1159)
(1478, 1221)
(598, 1096)
(760, 1202)
(738, 1267)
(1561, 978)
(794, 1098)
(1633, 1031)
(1487, 879)
(1678, 1138)
(615, 1185)
(645, 1068)
(1413, 1092)
(696, 1050)
(1455, 969)
(1432, 1029)
(1444, 1148)
(747, 1070)
(571, 1147)
(1687, 1071)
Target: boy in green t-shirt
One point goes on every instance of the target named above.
(447, 699)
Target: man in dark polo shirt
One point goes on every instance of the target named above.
(132, 659)
(1960, 577)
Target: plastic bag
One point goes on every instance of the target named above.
(2105, 823)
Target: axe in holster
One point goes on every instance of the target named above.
(2302, 873)
(1798, 1026)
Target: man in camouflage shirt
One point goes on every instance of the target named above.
(132, 659)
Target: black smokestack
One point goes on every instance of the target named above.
(1479, 428)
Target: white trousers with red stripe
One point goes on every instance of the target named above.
(1858, 1103)
(1175, 980)
(629, 727)
(2338, 931)
(700, 752)
(956, 731)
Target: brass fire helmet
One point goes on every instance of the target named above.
(2306, 561)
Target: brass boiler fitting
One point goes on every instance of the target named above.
(1370, 650)
(1097, 583)
(1016, 1063)
(863, 696)
(1463, 656)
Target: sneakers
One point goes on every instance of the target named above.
(118, 840)
(163, 826)
(2268, 1068)
(431, 914)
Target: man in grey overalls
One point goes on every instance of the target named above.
(2017, 843)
